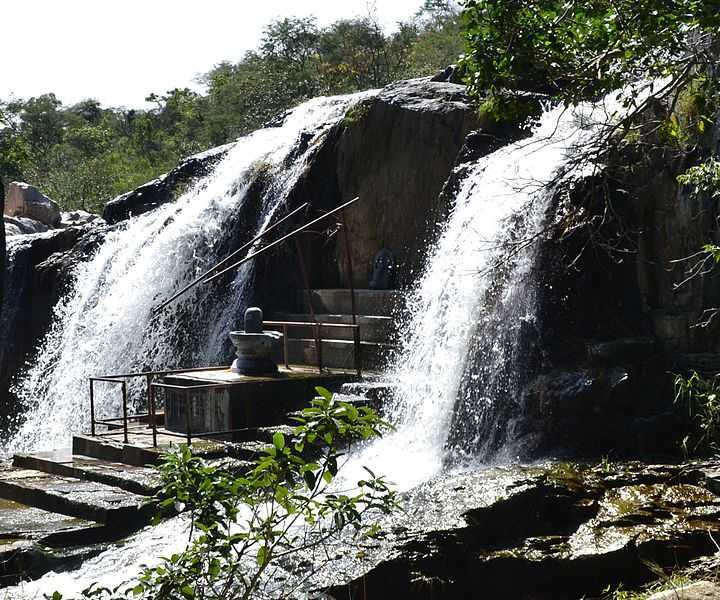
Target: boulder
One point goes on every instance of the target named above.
(23, 225)
(25, 200)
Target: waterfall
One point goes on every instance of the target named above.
(463, 358)
(105, 324)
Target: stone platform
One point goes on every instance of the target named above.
(222, 401)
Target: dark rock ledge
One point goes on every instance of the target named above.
(543, 532)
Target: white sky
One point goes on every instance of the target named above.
(119, 52)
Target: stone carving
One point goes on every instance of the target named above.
(254, 347)
(383, 273)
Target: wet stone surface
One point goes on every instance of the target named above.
(34, 541)
(542, 532)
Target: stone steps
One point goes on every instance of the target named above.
(114, 507)
(137, 480)
(378, 329)
(337, 354)
(384, 303)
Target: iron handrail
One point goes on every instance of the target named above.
(228, 258)
(318, 326)
(281, 240)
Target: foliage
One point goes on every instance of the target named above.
(581, 49)
(82, 155)
(664, 584)
(242, 525)
(701, 398)
(704, 179)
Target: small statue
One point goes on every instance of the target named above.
(254, 347)
(383, 273)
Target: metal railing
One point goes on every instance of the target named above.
(317, 328)
(125, 419)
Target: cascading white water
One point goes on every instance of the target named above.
(500, 201)
(104, 324)
(471, 302)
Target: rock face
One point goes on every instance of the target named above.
(394, 151)
(701, 590)
(161, 190)
(25, 200)
(36, 277)
(2, 244)
(551, 532)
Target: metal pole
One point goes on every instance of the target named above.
(227, 259)
(348, 254)
(125, 415)
(281, 240)
(187, 418)
(92, 409)
(318, 347)
(285, 346)
(358, 351)
(151, 409)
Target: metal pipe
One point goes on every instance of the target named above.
(309, 324)
(358, 351)
(187, 418)
(285, 345)
(348, 254)
(125, 415)
(228, 258)
(92, 409)
(318, 347)
(112, 378)
(151, 409)
(281, 240)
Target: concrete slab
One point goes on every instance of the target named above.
(246, 402)
(139, 450)
(90, 500)
(136, 479)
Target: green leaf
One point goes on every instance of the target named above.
(278, 440)
(262, 556)
(324, 392)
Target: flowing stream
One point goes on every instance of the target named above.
(104, 325)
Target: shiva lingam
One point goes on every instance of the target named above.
(254, 347)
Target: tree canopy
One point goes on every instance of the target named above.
(84, 154)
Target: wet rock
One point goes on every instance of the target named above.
(39, 269)
(25, 200)
(701, 590)
(162, 190)
(546, 532)
(621, 351)
(23, 225)
(77, 217)
(90, 500)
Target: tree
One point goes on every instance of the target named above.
(580, 50)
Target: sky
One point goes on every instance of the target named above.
(119, 51)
